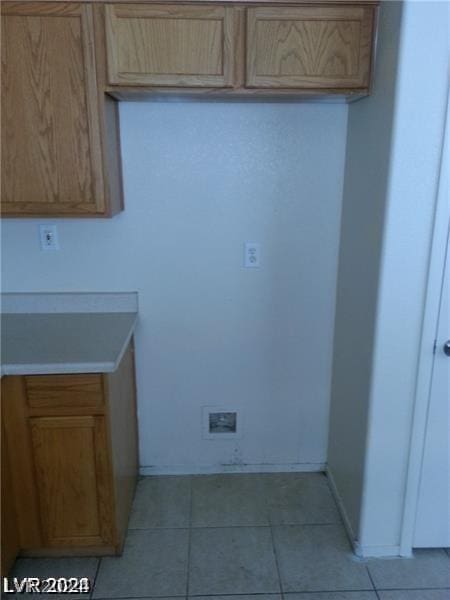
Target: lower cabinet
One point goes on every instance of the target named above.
(72, 447)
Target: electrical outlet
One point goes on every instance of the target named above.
(252, 255)
(48, 235)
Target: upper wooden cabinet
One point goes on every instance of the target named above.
(169, 45)
(309, 47)
(65, 64)
(240, 49)
(59, 134)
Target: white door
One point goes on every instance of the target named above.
(432, 528)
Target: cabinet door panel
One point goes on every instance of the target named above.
(169, 45)
(73, 478)
(51, 159)
(309, 47)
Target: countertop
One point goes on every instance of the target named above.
(85, 336)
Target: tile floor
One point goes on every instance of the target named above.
(275, 536)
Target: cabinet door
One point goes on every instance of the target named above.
(51, 159)
(309, 47)
(74, 481)
(163, 45)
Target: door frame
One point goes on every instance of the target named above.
(439, 243)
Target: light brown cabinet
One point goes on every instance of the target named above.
(170, 45)
(59, 135)
(241, 50)
(65, 64)
(72, 446)
(71, 464)
(309, 47)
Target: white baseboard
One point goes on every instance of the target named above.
(343, 512)
(218, 469)
(359, 550)
(377, 551)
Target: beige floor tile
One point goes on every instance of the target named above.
(153, 563)
(161, 502)
(236, 560)
(318, 558)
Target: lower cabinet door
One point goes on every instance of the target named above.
(74, 480)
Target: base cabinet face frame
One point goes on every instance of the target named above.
(73, 491)
(9, 534)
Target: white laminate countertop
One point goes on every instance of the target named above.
(83, 337)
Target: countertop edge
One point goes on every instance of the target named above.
(69, 368)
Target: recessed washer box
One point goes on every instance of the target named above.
(221, 423)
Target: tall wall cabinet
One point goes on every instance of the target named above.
(65, 65)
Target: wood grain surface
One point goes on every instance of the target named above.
(73, 480)
(170, 45)
(73, 457)
(9, 533)
(121, 391)
(305, 47)
(52, 160)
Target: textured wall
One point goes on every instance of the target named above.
(392, 167)
(200, 179)
(368, 153)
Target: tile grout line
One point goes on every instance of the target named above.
(280, 583)
(91, 594)
(246, 526)
(189, 540)
(372, 582)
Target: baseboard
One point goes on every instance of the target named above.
(359, 550)
(377, 551)
(340, 504)
(218, 469)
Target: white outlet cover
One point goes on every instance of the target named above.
(48, 236)
(252, 255)
(207, 435)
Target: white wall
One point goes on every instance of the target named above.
(200, 179)
(371, 427)
(368, 150)
(417, 141)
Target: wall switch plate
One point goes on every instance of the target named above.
(252, 255)
(48, 235)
